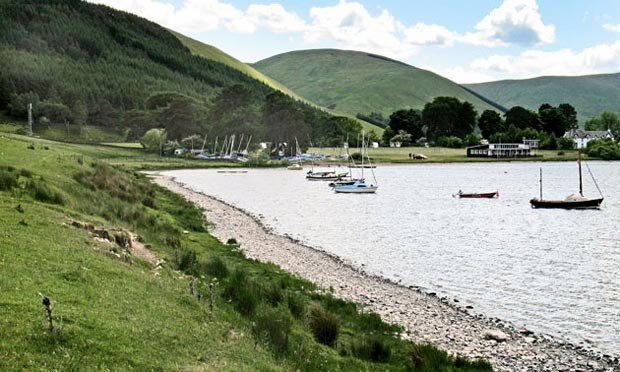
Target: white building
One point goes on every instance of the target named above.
(581, 137)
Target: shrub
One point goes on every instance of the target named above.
(272, 293)
(373, 348)
(274, 326)
(241, 291)
(324, 325)
(8, 180)
(44, 193)
(566, 143)
(296, 305)
(216, 267)
(187, 261)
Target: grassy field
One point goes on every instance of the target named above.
(205, 307)
(355, 82)
(441, 155)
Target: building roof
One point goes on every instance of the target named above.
(579, 133)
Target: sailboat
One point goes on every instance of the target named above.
(359, 186)
(296, 165)
(572, 201)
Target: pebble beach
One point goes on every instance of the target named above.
(425, 316)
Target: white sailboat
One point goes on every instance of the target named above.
(297, 164)
(359, 186)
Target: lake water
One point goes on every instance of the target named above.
(552, 271)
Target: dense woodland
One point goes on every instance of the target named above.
(87, 64)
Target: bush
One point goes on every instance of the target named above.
(216, 267)
(605, 149)
(296, 305)
(187, 261)
(44, 193)
(373, 348)
(242, 292)
(272, 293)
(8, 180)
(324, 325)
(274, 326)
(566, 143)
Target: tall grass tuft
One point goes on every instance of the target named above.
(374, 348)
(187, 261)
(296, 304)
(273, 325)
(8, 180)
(324, 325)
(242, 292)
(215, 267)
(427, 358)
(272, 293)
(44, 193)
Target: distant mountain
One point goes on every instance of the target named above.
(356, 82)
(590, 95)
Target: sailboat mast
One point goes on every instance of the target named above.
(540, 181)
(580, 178)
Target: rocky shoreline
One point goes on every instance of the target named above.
(426, 317)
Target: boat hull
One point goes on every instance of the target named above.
(358, 187)
(567, 204)
(358, 190)
(483, 195)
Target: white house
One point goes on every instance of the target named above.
(581, 137)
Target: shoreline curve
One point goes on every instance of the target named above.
(424, 316)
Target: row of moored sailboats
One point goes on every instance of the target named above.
(343, 182)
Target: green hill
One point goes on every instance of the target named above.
(84, 64)
(356, 82)
(590, 95)
(208, 51)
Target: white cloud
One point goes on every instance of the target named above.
(610, 27)
(423, 34)
(599, 59)
(275, 18)
(351, 26)
(196, 16)
(513, 22)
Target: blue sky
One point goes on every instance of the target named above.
(466, 41)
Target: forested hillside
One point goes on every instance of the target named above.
(83, 64)
(590, 95)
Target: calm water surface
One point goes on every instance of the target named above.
(553, 271)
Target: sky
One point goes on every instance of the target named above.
(468, 41)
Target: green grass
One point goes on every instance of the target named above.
(590, 95)
(355, 82)
(206, 308)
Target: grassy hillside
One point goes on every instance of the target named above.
(590, 95)
(357, 82)
(197, 304)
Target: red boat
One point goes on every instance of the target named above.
(471, 195)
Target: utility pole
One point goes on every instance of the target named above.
(30, 119)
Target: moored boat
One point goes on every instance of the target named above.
(572, 201)
(476, 195)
